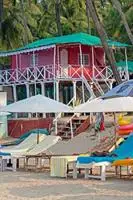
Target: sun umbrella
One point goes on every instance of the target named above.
(118, 104)
(123, 90)
(36, 104)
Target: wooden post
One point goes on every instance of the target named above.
(35, 88)
(82, 72)
(71, 126)
(83, 92)
(74, 91)
(28, 95)
(58, 60)
(27, 90)
(57, 91)
(93, 65)
(81, 60)
(16, 61)
(43, 93)
(127, 74)
(16, 67)
(15, 96)
(54, 73)
(43, 88)
(33, 59)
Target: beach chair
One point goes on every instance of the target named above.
(24, 136)
(124, 151)
(62, 164)
(36, 152)
(11, 153)
(24, 146)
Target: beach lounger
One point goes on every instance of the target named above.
(24, 146)
(125, 150)
(119, 164)
(60, 163)
(33, 152)
(18, 151)
(37, 151)
(24, 136)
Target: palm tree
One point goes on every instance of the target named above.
(24, 22)
(103, 36)
(13, 29)
(1, 12)
(58, 16)
(117, 5)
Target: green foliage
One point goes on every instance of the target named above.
(40, 19)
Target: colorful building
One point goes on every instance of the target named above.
(66, 68)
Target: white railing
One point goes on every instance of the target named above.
(30, 74)
(49, 73)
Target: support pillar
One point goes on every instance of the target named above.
(81, 60)
(74, 92)
(28, 95)
(43, 93)
(27, 91)
(15, 96)
(57, 91)
(83, 92)
(35, 88)
(127, 74)
(43, 88)
(93, 65)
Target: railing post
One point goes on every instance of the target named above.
(16, 74)
(6, 76)
(27, 72)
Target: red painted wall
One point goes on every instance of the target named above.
(45, 57)
(16, 128)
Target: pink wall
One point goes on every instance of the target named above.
(45, 57)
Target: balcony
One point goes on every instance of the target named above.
(49, 73)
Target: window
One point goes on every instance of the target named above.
(34, 60)
(85, 59)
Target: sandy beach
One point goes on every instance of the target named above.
(29, 185)
(40, 186)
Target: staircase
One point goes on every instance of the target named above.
(68, 127)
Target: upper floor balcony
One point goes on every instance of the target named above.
(49, 73)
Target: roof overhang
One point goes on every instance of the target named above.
(24, 50)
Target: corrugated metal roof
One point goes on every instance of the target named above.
(82, 38)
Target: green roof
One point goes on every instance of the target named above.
(82, 38)
(122, 65)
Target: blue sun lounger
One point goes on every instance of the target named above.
(124, 151)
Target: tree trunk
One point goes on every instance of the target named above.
(1, 13)
(88, 20)
(24, 22)
(117, 5)
(103, 36)
(58, 21)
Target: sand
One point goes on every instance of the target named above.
(23, 185)
(40, 186)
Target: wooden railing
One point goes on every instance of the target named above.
(50, 72)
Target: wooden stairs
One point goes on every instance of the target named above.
(79, 124)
